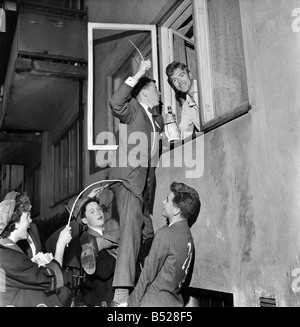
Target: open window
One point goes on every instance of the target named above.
(112, 57)
(177, 32)
(207, 36)
(222, 73)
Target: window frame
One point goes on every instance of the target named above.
(207, 115)
(202, 47)
(90, 95)
(167, 56)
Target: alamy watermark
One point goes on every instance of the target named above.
(2, 280)
(134, 149)
(296, 21)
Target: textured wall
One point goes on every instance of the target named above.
(247, 235)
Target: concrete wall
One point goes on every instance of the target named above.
(247, 235)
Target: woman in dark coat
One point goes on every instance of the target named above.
(22, 282)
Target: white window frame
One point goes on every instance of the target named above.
(90, 101)
(167, 54)
(167, 35)
(201, 32)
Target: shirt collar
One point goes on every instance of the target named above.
(147, 111)
(177, 222)
(190, 97)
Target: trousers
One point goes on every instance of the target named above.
(136, 227)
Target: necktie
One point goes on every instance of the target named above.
(152, 112)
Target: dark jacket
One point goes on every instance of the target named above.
(23, 283)
(133, 119)
(165, 269)
(41, 229)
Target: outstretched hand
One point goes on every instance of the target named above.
(95, 192)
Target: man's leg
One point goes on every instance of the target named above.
(147, 231)
(131, 221)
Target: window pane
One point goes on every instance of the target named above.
(109, 47)
(227, 55)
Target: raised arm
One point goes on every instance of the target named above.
(120, 101)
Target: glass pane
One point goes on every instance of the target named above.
(227, 55)
(115, 54)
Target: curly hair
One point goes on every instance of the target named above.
(22, 205)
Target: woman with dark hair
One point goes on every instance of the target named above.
(22, 282)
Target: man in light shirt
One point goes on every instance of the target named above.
(181, 80)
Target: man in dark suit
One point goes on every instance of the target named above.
(169, 263)
(135, 103)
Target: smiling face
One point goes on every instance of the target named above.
(93, 215)
(182, 80)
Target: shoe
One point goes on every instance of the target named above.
(115, 304)
(88, 253)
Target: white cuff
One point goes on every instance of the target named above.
(131, 81)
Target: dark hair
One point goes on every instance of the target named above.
(22, 205)
(83, 208)
(141, 84)
(170, 71)
(186, 199)
(172, 67)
